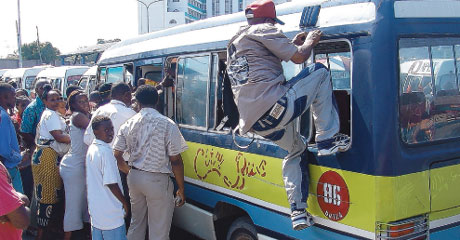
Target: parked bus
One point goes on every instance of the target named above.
(88, 80)
(386, 186)
(23, 77)
(62, 77)
(2, 71)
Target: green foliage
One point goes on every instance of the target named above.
(48, 52)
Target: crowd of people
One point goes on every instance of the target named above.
(124, 148)
(83, 167)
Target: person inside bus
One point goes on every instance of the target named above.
(268, 104)
(168, 79)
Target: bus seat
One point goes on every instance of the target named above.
(342, 97)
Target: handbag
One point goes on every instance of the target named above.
(60, 148)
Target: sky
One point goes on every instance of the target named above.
(67, 24)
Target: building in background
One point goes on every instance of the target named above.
(169, 13)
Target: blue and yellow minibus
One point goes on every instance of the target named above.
(399, 180)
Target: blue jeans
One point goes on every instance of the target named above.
(311, 87)
(118, 233)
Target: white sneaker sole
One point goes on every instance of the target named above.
(343, 147)
(327, 152)
(302, 223)
(300, 226)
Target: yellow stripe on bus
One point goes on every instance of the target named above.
(371, 198)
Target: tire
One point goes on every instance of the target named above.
(242, 229)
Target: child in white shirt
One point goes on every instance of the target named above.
(107, 206)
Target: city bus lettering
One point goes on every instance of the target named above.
(208, 161)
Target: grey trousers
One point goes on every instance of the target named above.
(311, 87)
(152, 204)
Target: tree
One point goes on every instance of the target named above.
(48, 52)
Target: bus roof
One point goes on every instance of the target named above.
(2, 71)
(91, 71)
(58, 71)
(214, 33)
(14, 73)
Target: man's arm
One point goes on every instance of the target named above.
(29, 139)
(88, 138)
(20, 218)
(116, 191)
(305, 46)
(81, 121)
(26, 129)
(121, 161)
(60, 136)
(178, 170)
(119, 148)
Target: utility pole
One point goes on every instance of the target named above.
(38, 47)
(18, 29)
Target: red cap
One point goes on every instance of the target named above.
(262, 9)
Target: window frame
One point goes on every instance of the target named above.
(126, 72)
(350, 91)
(215, 66)
(208, 83)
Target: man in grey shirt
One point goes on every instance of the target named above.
(154, 144)
(268, 104)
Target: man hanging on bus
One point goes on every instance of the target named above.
(268, 104)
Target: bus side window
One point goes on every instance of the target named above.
(444, 69)
(336, 56)
(128, 74)
(114, 74)
(191, 91)
(457, 60)
(216, 111)
(102, 75)
(429, 92)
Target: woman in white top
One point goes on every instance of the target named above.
(72, 166)
(45, 163)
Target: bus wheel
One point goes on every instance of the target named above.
(242, 229)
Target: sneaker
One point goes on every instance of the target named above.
(340, 142)
(301, 219)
